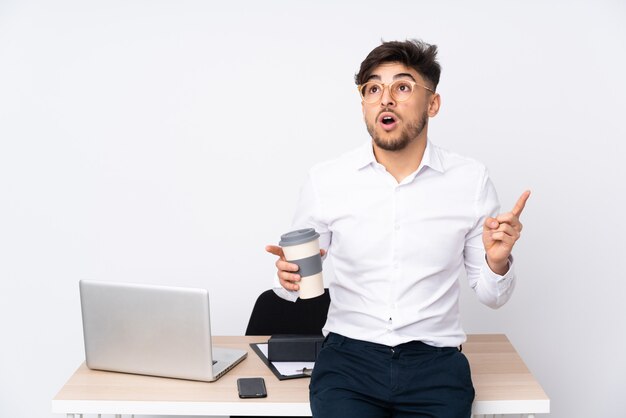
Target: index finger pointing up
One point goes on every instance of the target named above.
(521, 202)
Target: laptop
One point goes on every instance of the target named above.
(151, 330)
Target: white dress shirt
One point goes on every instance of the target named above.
(398, 249)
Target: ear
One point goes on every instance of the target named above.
(434, 105)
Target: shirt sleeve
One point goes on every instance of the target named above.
(491, 289)
(308, 214)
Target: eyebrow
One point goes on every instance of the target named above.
(395, 77)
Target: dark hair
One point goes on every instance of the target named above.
(413, 53)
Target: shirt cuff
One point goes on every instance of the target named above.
(502, 282)
(289, 295)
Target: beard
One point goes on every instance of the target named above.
(408, 134)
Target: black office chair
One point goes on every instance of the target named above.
(274, 315)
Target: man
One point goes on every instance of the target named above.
(400, 218)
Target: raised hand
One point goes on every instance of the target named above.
(501, 233)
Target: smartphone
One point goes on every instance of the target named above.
(251, 387)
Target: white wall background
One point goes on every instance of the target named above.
(165, 142)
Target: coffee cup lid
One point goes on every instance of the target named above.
(299, 236)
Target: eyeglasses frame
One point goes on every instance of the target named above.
(413, 84)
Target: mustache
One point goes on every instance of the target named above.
(387, 110)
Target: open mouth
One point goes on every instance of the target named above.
(388, 121)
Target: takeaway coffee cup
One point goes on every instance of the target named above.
(302, 247)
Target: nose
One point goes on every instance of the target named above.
(386, 100)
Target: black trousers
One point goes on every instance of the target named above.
(355, 378)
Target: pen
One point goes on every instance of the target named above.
(305, 371)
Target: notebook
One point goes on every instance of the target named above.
(151, 330)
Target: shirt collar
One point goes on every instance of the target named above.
(364, 156)
(432, 157)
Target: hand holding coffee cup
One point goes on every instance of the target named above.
(300, 263)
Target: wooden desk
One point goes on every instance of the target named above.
(502, 381)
